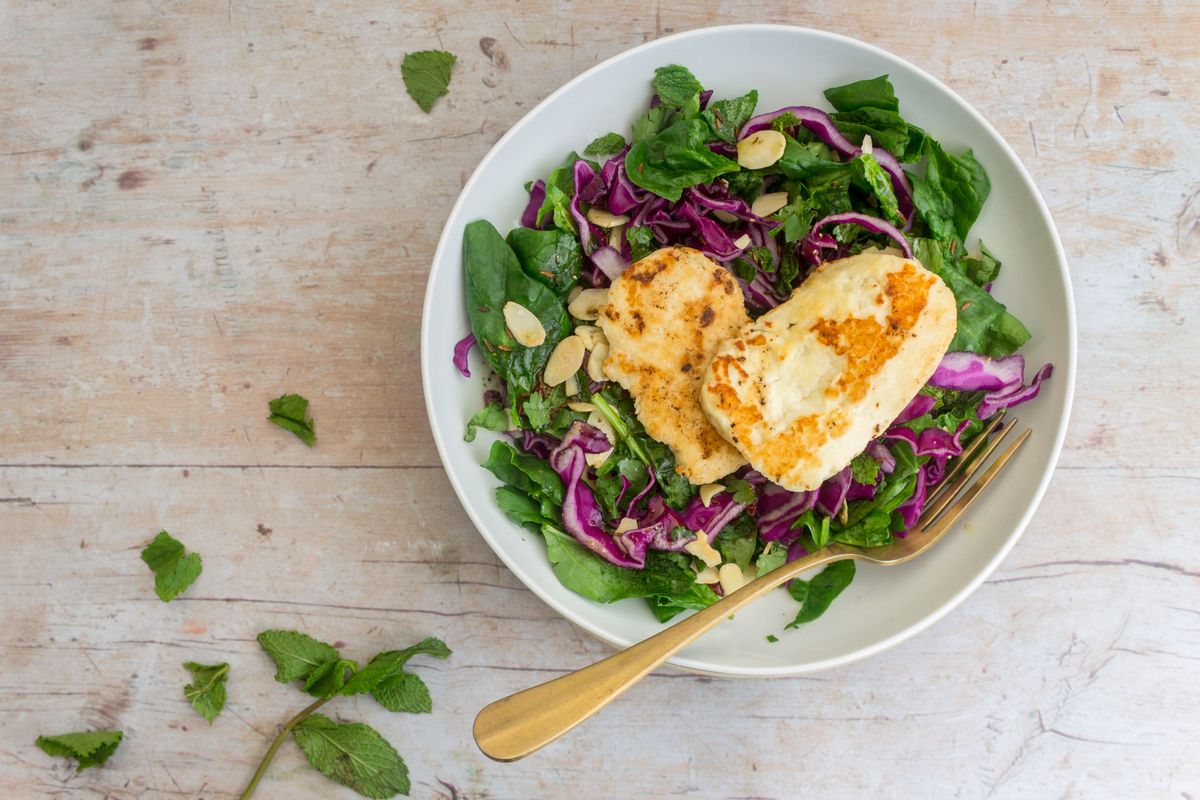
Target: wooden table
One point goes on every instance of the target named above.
(204, 205)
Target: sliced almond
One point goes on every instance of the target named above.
(523, 324)
(588, 303)
(761, 149)
(626, 525)
(725, 216)
(742, 242)
(701, 549)
(595, 363)
(708, 491)
(575, 292)
(868, 147)
(604, 219)
(707, 575)
(732, 578)
(581, 407)
(591, 336)
(565, 361)
(616, 237)
(571, 387)
(767, 204)
(601, 424)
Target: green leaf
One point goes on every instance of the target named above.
(771, 559)
(801, 161)
(817, 594)
(871, 176)
(390, 664)
(587, 574)
(404, 693)
(695, 597)
(537, 410)
(649, 123)
(327, 679)
(553, 258)
(951, 194)
(981, 269)
(772, 638)
(290, 412)
(521, 508)
(736, 542)
(426, 75)
(206, 692)
(675, 85)
(603, 145)
(742, 491)
(872, 93)
(864, 469)
(494, 276)
(526, 472)
(668, 162)
(352, 754)
(887, 129)
(89, 748)
(491, 417)
(641, 241)
(984, 324)
(296, 655)
(173, 571)
(726, 117)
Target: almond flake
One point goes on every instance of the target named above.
(523, 324)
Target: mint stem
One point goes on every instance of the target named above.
(275, 745)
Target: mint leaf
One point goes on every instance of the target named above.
(206, 692)
(641, 241)
(327, 679)
(404, 692)
(771, 559)
(173, 570)
(491, 417)
(675, 85)
(603, 145)
(290, 412)
(742, 491)
(726, 117)
(864, 469)
(378, 674)
(89, 748)
(296, 655)
(426, 75)
(354, 755)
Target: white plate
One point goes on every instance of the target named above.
(788, 66)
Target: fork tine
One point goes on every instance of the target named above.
(962, 472)
(963, 458)
(955, 511)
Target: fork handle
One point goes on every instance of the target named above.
(522, 723)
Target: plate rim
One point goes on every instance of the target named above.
(1066, 372)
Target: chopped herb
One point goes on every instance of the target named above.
(173, 571)
(604, 145)
(88, 748)
(206, 692)
(290, 412)
(426, 75)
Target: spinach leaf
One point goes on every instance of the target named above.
(802, 161)
(587, 574)
(771, 559)
(553, 258)
(526, 472)
(560, 187)
(603, 145)
(641, 242)
(521, 508)
(871, 176)
(608, 485)
(491, 417)
(668, 162)
(494, 277)
(984, 324)
(697, 596)
(675, 85)
(887, 129)
(872, 93)
(981, 269)
(951, 194)
(726, 117)
(817, 594)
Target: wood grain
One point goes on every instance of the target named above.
(203, 205)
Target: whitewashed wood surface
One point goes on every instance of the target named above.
(206, 204)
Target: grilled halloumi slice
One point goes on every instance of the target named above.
(665, 316)
(805, 387)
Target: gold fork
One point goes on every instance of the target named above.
(522, 723)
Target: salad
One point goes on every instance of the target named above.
(576, 465)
